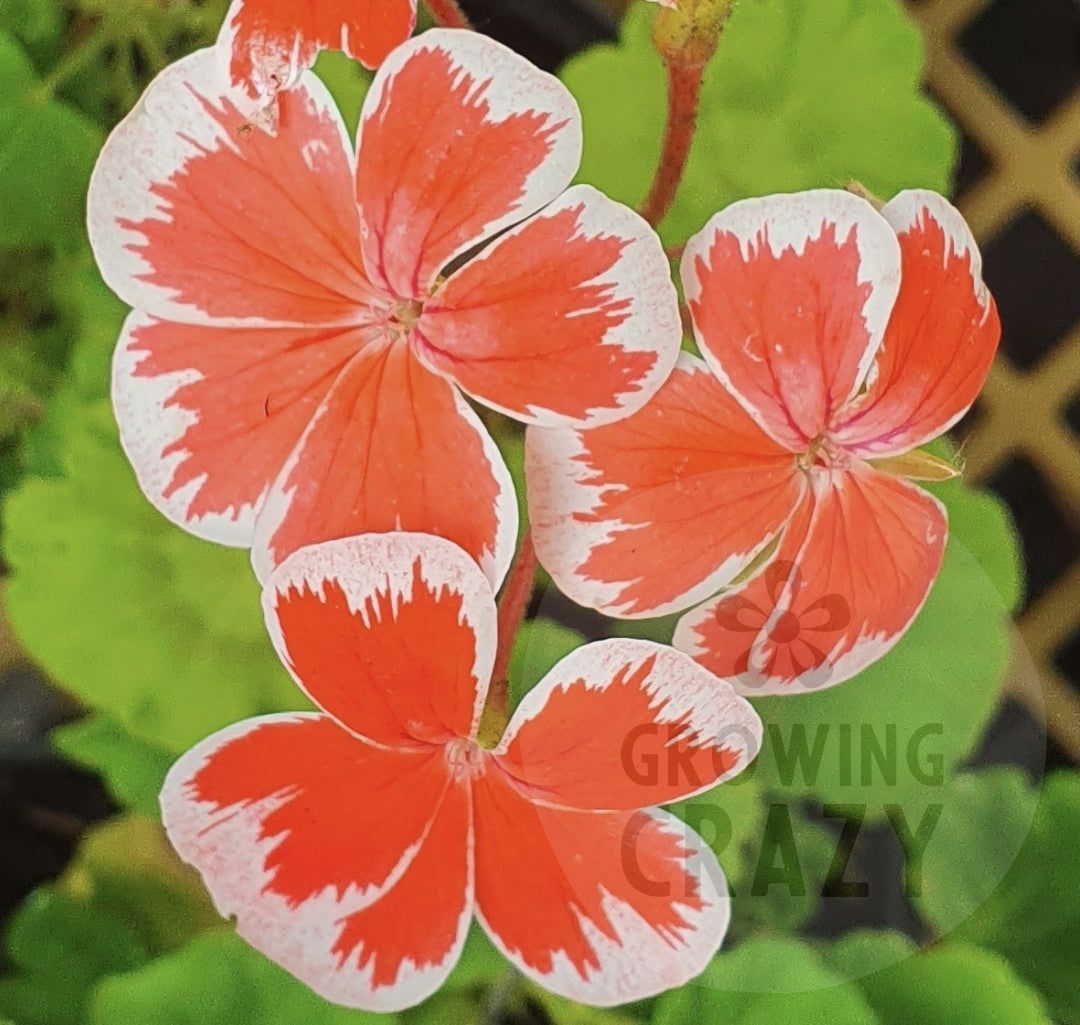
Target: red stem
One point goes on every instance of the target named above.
(684, 94)
(513, 604)
(448, 13)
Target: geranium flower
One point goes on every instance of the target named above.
(304, 329)
(354, 845)
(836, 340)
(267, 45)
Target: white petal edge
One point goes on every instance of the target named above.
(641, 964)
(556, 476)
(152, 143)
(641, 276)
(299, 939)
(517, 85)
(494, 565)
(148, 424)
(687, 691)
(792, 220)
(369, 563)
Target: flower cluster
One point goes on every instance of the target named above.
(310, 322)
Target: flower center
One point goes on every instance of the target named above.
(824, 454)
(402, 317)
(785, 629)
(465, 758)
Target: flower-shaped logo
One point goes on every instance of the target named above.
(309, 318)
(801, 630)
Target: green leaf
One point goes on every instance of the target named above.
(47, 302)
(889, 738)
(480, 965)
(47, 151)
(560, 1011)
(159, 629)
(660, 629)
(798, 96)
(979, 519)
(783, 871)
(133, 769)
(729, 818)
(444, 1008)
(986, 820)
(763, 982)
(539, 644)
(59, 946)
(511, 441)
(1029, 916)
(35, 334)
(348, 83)
(950, 984)
(31, 20)
(127, 869)
(216, 979)
(864, 952)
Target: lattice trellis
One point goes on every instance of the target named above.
(1031, 167)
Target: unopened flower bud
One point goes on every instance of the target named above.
(688, 32)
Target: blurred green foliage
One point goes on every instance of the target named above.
(215, 980)
(800, 95)
(787, 980)
(540, 643)
(161, 636)
(1030, 918)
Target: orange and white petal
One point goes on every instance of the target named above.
(569, 319)
(790, 296)
(267, 45)
(296, 826)
(392, 634)
(625, 724)
(941, 339)
(196, 215)
(406, 944)
(393, 447)
(600, 907)
(858, 562)
(425, 195)
(722, 633)
(209, 415)
(658, 511)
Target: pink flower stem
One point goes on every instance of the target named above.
(513, 604)
(684, 95)
(448, 13)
